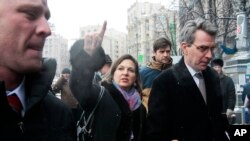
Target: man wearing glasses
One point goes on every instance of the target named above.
(185, 101)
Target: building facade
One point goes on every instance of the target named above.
(146, 23)
(56, 47)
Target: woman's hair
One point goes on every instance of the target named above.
(109, 76)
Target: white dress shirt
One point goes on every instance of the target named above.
(20, 92)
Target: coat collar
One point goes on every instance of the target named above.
(184, 74)
(117, 96)
(38, 84)
(186, 80)
(158, 65)
(182, 71)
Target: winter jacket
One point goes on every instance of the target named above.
(246, 91)
(228, 92)
(46, 117)
(177, 109)
(130, 120)
(112, 118)
(148, 74)
(67, 97)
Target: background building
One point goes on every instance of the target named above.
(146, 23)
(56, 47)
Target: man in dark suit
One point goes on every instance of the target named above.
(185, 101)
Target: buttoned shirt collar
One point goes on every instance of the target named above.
(193, 72)
(20, 92)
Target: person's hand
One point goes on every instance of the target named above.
(229, 112)
(94, 40)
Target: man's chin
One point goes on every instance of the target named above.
(34, 67)
(203, 68)
(164, 62)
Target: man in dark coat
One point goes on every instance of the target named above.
(246, 102)
(227, 88)
(29, 110)
(185, 101)
(246, 92)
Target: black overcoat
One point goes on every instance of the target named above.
(46, 117)
(177, 109)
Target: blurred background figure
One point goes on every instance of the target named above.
(245, 98)
(103, 71)
(227, 90)
(62, 86)
(161, 60)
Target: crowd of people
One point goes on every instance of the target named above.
(161, 101)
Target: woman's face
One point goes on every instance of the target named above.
(124, 74)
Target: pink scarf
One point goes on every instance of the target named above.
(132, 96)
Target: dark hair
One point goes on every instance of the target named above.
(66, 70)
(109, 77)
(161, 43)
(217, 62)
(108, 60)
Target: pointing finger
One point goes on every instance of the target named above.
(103, 29)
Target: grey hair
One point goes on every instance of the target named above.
(188, 31)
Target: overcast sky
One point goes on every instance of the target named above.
(69, 15)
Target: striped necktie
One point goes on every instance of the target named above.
(15, 103)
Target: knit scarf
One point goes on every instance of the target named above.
(132, 96)
(158, 65)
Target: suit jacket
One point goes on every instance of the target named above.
(177, 109)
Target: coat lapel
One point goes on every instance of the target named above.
(38, 84)
(212, 90)
(187, 82)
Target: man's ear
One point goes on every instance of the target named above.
(184, 48)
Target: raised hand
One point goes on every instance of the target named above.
(93, 41)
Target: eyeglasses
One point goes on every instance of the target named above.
(204, 49)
